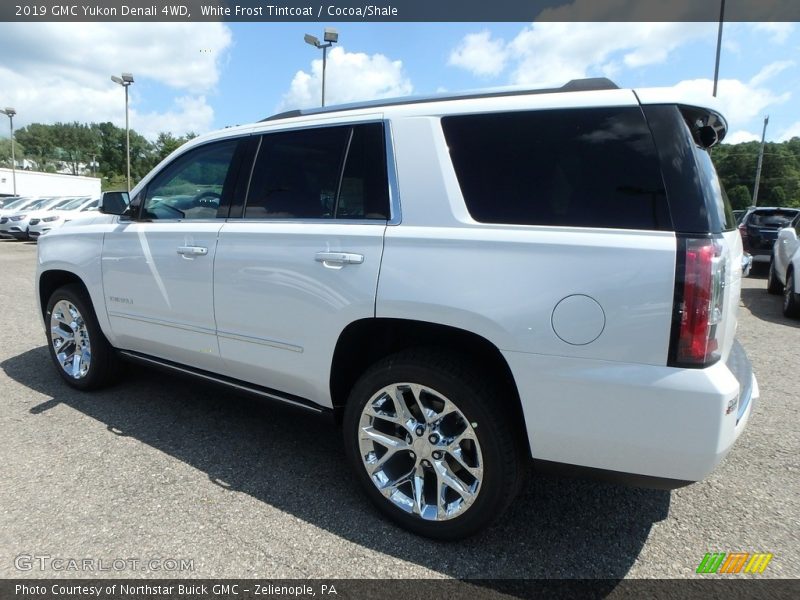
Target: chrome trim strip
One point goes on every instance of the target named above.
(261, 341)
(221, 381)
(218, 220)
(223, 334)
(150, 321)
(304, 221)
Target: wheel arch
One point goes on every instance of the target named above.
(51, 280)
(366, 341)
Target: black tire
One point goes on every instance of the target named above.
(791, 300)
(774, 285)
(481, 404)
(104, 365)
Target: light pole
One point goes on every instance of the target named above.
(719, 45)
(10, 112)
(125, 81)
(331, 37)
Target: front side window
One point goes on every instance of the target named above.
(320, 173)
(193, 186)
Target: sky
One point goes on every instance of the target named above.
(204, 76)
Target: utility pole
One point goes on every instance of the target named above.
(760, 160)
(719, 45)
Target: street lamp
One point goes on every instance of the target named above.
(10, 112)
(331, 37)
(125, 81)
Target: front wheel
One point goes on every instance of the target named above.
(81, 353)
(432, 445)
(791, 300)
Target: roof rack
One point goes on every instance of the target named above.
(576, 85)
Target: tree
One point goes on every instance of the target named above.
(166, 143)
(75, 143)
(38, 141)
(779, 184)
(740, 196)
(5, 152)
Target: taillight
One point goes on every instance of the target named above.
(697, 307)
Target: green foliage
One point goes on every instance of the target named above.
(79, 144)
(5, 152)
(780, 172)
(166, 143)
(39, 143)
(740, 196)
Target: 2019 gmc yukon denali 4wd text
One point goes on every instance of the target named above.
(463, 282)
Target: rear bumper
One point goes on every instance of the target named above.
(659, 422)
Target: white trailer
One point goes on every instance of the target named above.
(35, 183)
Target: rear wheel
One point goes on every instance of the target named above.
(774, 285)
(81, 353)
(431, 444)
(791, 300)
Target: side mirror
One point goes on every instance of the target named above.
(114, 203)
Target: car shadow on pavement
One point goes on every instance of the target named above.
(767, 307)
(557, 528)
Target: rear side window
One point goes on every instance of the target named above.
(320, 173)
(713, 190)
(576, 167)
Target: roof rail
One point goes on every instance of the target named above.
(575, 85)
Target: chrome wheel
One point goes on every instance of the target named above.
(420, 451)
(788, 290)
(70, 339)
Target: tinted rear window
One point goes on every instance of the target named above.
(576, 167)
(774, 219)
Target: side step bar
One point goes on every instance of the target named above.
(241, 386)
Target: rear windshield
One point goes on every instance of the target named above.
(574, 167)
(773, 219)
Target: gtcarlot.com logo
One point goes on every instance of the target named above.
(735, 562)
(46, 562)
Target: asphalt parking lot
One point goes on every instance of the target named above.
(158, 467)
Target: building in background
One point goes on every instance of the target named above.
(35, 183)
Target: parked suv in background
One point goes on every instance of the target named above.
(785, 265)
(462, 282)
(759, 228)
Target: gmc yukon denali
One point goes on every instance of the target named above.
(464, 283)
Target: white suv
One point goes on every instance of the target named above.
(464, 283)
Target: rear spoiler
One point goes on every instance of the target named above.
(708, 127)
(702, 113)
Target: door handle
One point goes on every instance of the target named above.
(339, 258)
(192, 250)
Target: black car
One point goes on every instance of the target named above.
(759, 229)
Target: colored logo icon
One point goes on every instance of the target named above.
(735, 562)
